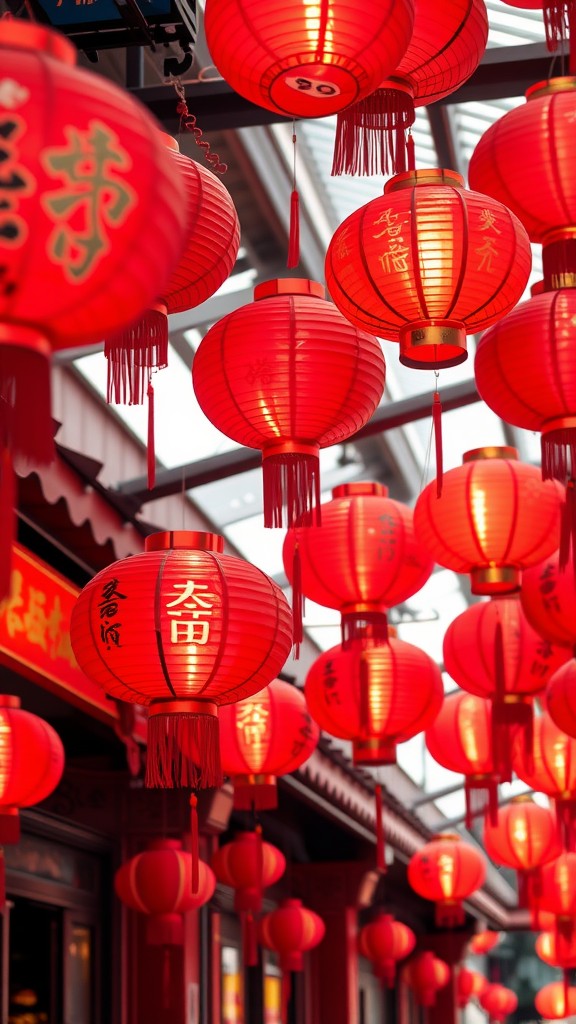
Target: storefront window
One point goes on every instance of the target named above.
(232, 990)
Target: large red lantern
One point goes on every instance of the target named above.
(385, 942)
(306, 61)
(362, 560)
(483, 942)
(426, 264)
(556, 1001)
(548, 598)
(482, 524)
(499, 1002)
(181, 628)
(426, 974)
(555, 951)
(291, 930)
(524, 838)
(263, 737)
(447, 871)
(444, 50)
(550, 768)
(289, 375)
(469, 985)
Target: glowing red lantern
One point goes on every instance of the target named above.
(460, 739)
(558, 890)
(482, 524)
(524, 838)
(181, 628)
(426, 974)
(263, 737)
(556, 1001)
(556, 952)
(499, 1002)
(384, 942)
(248, 865)
(550, 768)
(375, 694)
(447, 871)
(287, 374)
(483, 942)
(444, 50)
(290, 931)
(548, 598)
(306, 61)
(212, 239)
(426, 264)
(469, 985)
(363, 559)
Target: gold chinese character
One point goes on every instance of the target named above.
(394, 260)
(14, 622)
(487, 250)
(391, 227)
(189, 631)
(252, 720)
(488, 221)
(35, 619)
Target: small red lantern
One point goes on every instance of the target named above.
(447, 871)
(548, 598)
(263, 737)
(550, 768)
(248, 865)
(524, 838)
(482, 524)
(556, 1001)
(287, 374)
(554, 952)
(483, 942)
(362, 560)
(290, 931)
(426, 974)
(426, 264)
(385, 942)
(306, 61)
(181, 628)
(558, 891)
(499, 1002)
(469, 985)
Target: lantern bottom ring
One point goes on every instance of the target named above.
(374, 751)
(495, 579)
(433, 346)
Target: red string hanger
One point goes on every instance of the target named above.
(446, 46)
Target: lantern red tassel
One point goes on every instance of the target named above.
(437, 425)
(294, 232)
(133, 352)
(371, 134)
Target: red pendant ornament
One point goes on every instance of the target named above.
(362, 560)
(426, 264)
(447, 871)
(482, 524)
(385, 942)
(483, 942)
(287, 374)
(524, 838)
(181, 628)
(426, 974)
(460, 739)
(551, 769)
(445, 49)
(555, 1001)
(291, 931)
(248, 865)
(306, 61)
(31, 766)
(469, 985)
(263, 737)
(499, 1002)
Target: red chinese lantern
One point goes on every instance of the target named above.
(550, 768)
(525, 160)
(306, 61)
(483, 942)
(263, 737)
(554, 952)
(385, 942)
(482, 524)
(444, 50)
(447, 871)
(181, 628)
(248, 865)
(426, 974)
(460, 739)
(524, 838)
(548, 598)
(426, 264)
(499, 1002)
(555, 1001)
(469, 985)
(287, 374)
(362, 560)
(31, 766)
(291, 931)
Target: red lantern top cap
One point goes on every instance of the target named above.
(522, 798)
(490, 452)
(424, 176)
(169, 540)
(397, 85)
(566, 83)
(8, 701)
(19, 35)
(358, 489)
(289, 286)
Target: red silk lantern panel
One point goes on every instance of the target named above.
(482, 523)
(158, 882)
(445, 49)
(556, 952)
(499, 1002)
(362, 560)
(263, 737)
(426, 264)
(524, 838)
(385, 942)
(526, 160)
(469, 985)
(548, 598)
(556, 1001)
(426, 974)
(483, 942)
(375, 694)
(212, 240)
(447, 871)
(550, 768)
(287, 374)
(181, 628)
(306, 61)
(460, 739)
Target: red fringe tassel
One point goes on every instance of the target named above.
(183, 752)
(133, 353)
(437, 424)
(291, 489)
(355, 627)
(380, 850)
(25, 404)
(481, 798)
(294, 235)
(559, 454)
(371, 134)
(298, 605)
(449, 915)
(194, 844)
(557, 17)
(151, 453)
